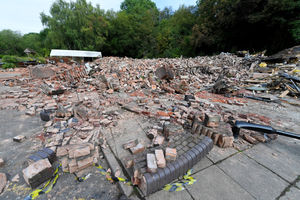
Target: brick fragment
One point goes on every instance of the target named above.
(79, 151)
(73, 167)
(160, 158)
(211, 120)
(3, 181)
(225, 141)
(130, 144)
(259, 137)
(137, 149)
(1, 162)
(250, 139)
(171, 154)
(19, 138)
(151, 163)
(159, 140)
(215, 137)
(61, 151)
(64, 164)
(38, 172)
(82, 164)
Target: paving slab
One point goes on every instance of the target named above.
(280, 163)
(292, 194)
(182, 195)
(286, 145)
(202, 164)
(212, 183)
(217, 154)
(256, 179)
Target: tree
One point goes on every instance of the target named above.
(229, 25)
(75, 25)
(10, 43)
(132, 31)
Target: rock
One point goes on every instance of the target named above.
(1, 162)
(45, 115)
(3, 181)
(211, 120)
(19, 138)
(16, 178)
(151, 163)
(160, 158)
(165, 73)
(137, 149)
(38, 172)
(130, 144)
(171, 154)
(40, 71)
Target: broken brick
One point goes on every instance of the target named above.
(160, 158)
(19, 138)
(137, 149)
(211, 120)
(171, 154)
(130, 144)
(82, 164)
(80, 151)
(151, 163)
(38, 172)
(158, 140)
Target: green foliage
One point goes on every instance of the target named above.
(140, 30)
(8, 65)
(11, 59)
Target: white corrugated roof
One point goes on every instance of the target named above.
(75, 53)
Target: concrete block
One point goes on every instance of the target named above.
(211, 120)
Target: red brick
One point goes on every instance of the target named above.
(38, 172)
(79, 152)
(159, 140)
(137, 149)
(151, 163)
(131, 143)
(61, 151)
(160, 158)
(82, 164)
(171, 154)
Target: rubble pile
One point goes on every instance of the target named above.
(191, 95)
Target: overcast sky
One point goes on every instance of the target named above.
(24, 15)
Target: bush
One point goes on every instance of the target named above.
(8, 65)
(41, 60)
(10, 59)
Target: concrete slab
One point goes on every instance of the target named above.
(286, 145)
(217, 154)
(114, 166)
(292, 194)
(204, 163)
(256, 179)
(212, 183)
(182, 195)
(280, 163)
